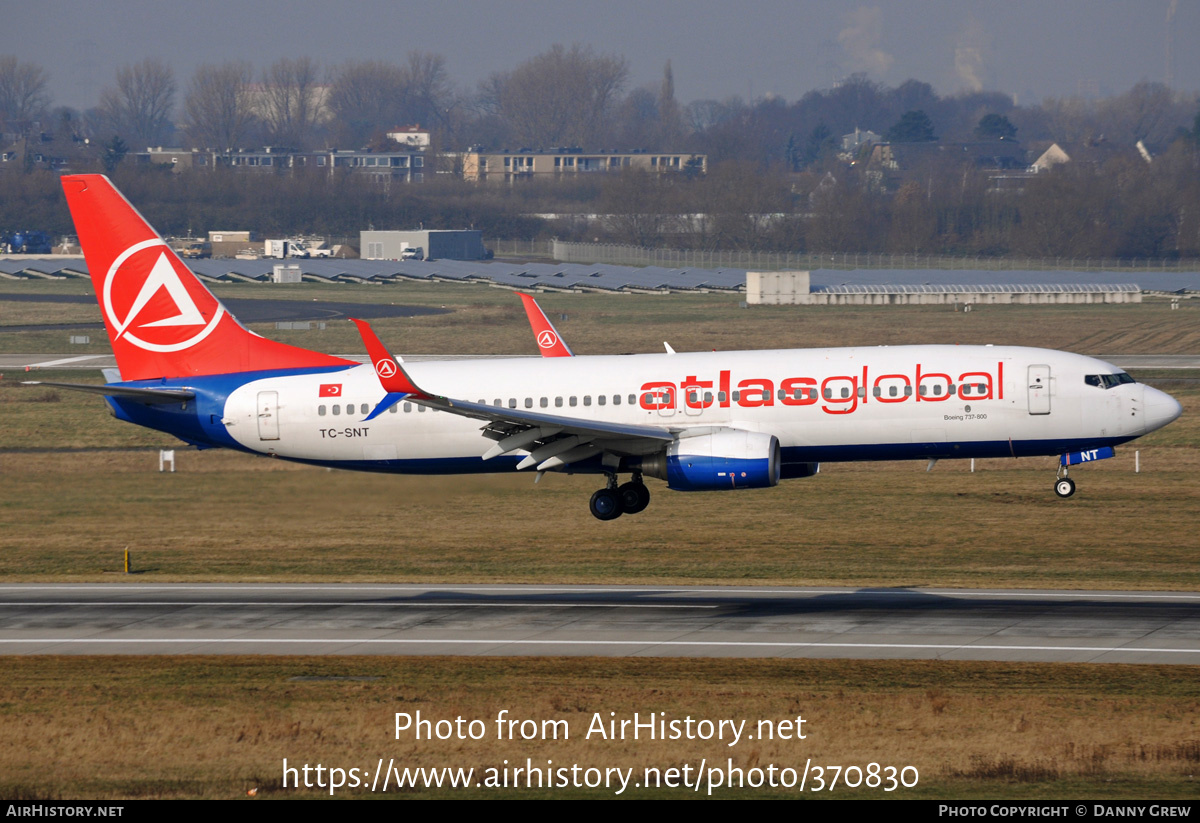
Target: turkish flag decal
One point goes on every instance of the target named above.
(330, 390)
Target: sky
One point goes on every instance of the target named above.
(1031, 49)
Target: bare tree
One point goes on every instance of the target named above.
(560, 97)
(367, 97)
(219, 105)
(139, 106)
(429, 92)
(22, 90)
(293, 101)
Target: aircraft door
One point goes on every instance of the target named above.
(1039, 389)
(666, 401)
(268, 415)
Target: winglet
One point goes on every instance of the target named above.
(550, 344)
(391, 374)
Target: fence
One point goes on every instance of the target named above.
(767, 261)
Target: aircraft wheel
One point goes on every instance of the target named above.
(1064, 487)
(635, 497)
(606, 505)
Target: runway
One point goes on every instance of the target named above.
(617, 621)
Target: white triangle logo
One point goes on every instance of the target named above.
(163, 276)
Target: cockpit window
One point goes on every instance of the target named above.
(1107, 381)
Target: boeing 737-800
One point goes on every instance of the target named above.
(700, 421)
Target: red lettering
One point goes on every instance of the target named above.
(724, 389)
(827, 393)
(656, 396)
(930, 397)
(693, 393)
(790, 387)
(965, 383)
(764, 396)
(901, 397)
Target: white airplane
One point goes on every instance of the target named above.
(700, 421)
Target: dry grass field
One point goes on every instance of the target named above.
(487, 320)
(219, 727)
(77, 487)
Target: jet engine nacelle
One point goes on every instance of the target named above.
(728, 459)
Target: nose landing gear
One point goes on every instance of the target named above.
(612, 501)
(1064, 486)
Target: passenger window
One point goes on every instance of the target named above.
(365, 409)
(558, 402)
(708, 397)
(828, 394)
(720, 397)
(587, 400)
(616, 399)
(574, 401)
(544, 402)
(908, 391)
(878, 392)
(529, 402)
(392, 409)
(892, 392)
(421, 409)
(737, 396)
(937, 390)
(407, 408)
(321, 411)
(923, 390)
(601, 399)
(845, 393)
(512, 402)
(498, 402)
(337, 409)
(633, 399)
(862, 391)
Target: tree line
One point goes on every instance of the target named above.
(775, 181)
(562, 97)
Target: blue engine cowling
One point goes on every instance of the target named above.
(729, 459)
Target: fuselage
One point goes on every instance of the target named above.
(823, 405)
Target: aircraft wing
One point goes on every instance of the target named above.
(152, 396)
(551, 440)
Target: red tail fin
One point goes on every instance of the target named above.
(161, 320)
(549, 343)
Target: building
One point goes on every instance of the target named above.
(793, 288)
(429, 244)
(526, 163)
(406, 165)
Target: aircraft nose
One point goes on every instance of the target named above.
(1161, 409)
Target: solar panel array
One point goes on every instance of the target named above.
(565, 276)
(606, 277)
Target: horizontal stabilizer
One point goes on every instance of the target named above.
(132, 392)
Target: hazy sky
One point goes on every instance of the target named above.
(717, 48)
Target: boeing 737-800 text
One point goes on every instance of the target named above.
(700, 421)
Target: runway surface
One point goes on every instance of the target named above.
(618, 621)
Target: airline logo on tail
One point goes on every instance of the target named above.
(547, 339)
(149, 304)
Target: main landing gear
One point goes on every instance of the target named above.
(1064, 486)
(613, 501)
